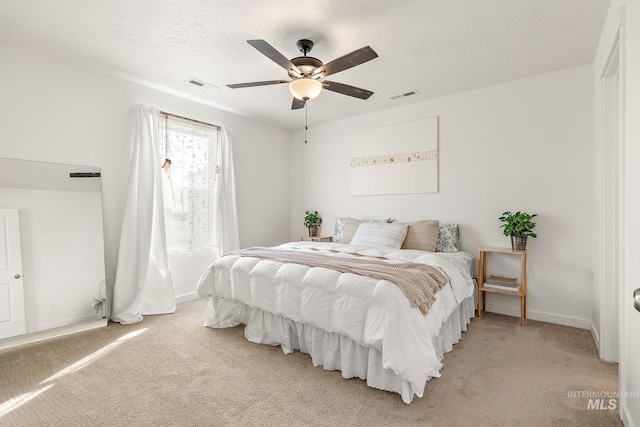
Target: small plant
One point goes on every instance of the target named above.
(312, 219)
(518, 224)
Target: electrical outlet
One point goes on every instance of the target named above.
(52, 305)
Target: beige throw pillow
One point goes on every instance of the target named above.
(422, 235)
(349, 229)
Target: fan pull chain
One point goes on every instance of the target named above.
(305, 122)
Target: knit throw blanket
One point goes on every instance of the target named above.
(419, 282)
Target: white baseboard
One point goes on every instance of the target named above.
(540, 316)
(187, 297)
(26, 340)
(596, 338)
(64, 323)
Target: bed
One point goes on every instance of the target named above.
(351, 319)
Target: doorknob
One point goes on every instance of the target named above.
(636, 299)
(17, 276)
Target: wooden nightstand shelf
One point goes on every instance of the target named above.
(318, 238)
(520, 291)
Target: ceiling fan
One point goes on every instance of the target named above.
(308, 73)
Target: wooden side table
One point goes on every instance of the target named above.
(318, 238)
(521, 290)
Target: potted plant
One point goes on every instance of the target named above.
(312, 221)
(518, 226)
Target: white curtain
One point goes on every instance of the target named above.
(143, 282)
(227, 237)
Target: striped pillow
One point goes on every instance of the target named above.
(346, 228)
(380, 234)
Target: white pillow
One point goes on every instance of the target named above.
(380, 234)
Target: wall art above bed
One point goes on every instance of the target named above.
(397, 159)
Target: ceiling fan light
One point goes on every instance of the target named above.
(305, 88)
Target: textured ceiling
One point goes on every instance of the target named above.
(437, 47)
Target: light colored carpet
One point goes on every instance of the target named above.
(175, 372)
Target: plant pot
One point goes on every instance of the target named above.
(518, 243)
(313, 231)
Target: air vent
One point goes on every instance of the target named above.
(195, 82)
(403, 95)
(201, 83)
(84, 175)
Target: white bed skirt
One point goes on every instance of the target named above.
(332, 351)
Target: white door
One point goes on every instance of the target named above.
(629, 316)
(12, 320)
(630, 346)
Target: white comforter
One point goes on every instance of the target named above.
(371, 312)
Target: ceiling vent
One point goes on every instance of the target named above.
(196, 82)
(403, 95)
(200, 83)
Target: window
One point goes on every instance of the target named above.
(189, 162)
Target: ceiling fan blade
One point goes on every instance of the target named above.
(297, 103)
(252, 84)
(270, 52)
(347, 61)
(349, 90)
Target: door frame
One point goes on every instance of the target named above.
(609, 244)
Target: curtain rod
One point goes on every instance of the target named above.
(188, 119)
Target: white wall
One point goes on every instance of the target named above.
(524, 145)
(57, 112)
(61, 236)
(521, 145)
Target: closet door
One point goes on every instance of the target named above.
(12, 320)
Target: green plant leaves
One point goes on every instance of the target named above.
(312, 219)
(518, 224)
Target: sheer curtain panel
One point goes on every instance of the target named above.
(189, 182)
(143, 282)
(227, 237)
